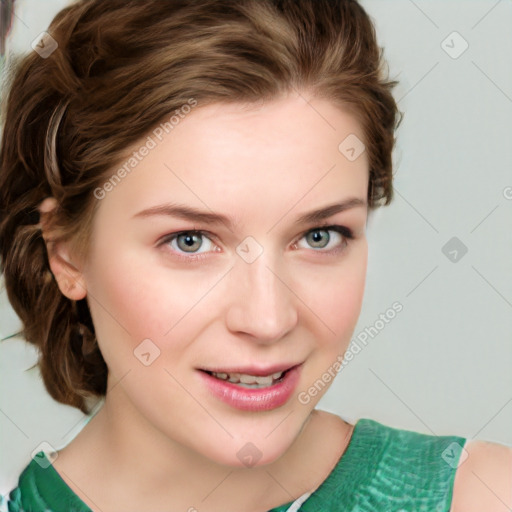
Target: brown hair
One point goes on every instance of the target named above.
(121, 67)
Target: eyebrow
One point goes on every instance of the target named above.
(195, 215)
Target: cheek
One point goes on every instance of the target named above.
(335, 295)
(134, 297)
(131, 301)
(123, 294)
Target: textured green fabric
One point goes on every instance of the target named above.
(390, 470)
(382, 469)
(41, 489)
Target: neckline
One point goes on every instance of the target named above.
(61, 490)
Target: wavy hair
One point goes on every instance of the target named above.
(120, 67)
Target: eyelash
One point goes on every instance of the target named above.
(345, 232)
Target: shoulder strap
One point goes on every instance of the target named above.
(385, 468)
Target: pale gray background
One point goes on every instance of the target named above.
(443, 364)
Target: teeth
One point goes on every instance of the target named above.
(264, 381)
(248, 380)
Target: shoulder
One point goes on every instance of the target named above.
(25, 495)
(383, 464)
(40, 487)
(483, 480)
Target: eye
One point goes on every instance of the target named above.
(189, 242)
(331, 237)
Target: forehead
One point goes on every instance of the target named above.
(293, 125)
(236, 156)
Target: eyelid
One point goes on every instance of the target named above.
(345, 232)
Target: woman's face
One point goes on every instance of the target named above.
(260, 292)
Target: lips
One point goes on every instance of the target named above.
(252, 377)
(256, 390)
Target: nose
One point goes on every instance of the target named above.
(262, 304)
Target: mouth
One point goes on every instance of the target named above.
(250, 381)
(252, 389)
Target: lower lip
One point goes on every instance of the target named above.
(247, 399)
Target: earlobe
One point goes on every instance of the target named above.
(69, 278)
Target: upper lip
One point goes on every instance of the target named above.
(258, 371)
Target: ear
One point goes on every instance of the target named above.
(69, 277)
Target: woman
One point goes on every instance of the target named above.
(184, 191)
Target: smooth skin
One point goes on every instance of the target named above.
(162, 441)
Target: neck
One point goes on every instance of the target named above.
(132, 459)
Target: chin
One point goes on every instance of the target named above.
(244, 453)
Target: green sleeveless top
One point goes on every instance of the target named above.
(382, 469)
